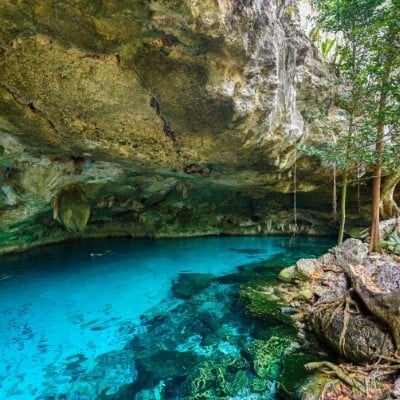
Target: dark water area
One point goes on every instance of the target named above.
(142, 319)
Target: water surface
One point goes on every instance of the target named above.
(72, 314)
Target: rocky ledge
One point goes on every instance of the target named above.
(160, 118)
(349, 299)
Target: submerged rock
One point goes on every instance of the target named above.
(191, 284)
(294, 375)
(218, 378)
(260, 304)
(163, 364)
(266, 356)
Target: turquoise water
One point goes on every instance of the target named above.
(95, 319)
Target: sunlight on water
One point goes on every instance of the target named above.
(70, 312)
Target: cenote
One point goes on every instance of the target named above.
(143, 319)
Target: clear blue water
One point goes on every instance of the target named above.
(72, 314)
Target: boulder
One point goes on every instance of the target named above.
(354, 335)
(287, 274)
(305, 268)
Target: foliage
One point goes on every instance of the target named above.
(368, 77)
(391, 245)
(329, 47)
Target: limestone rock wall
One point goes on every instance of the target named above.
(191, 97)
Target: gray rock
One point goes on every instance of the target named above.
(364, 338)
(351, 251)
(305, 268)
(388, 276)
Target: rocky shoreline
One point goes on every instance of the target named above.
(349, 299)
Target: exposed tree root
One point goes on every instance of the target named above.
(352, 382)
(369, 382)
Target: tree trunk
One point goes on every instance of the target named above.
(342, 209)
(388, 207)
(376, 194)
(376, 183)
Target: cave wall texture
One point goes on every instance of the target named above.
(159, 118)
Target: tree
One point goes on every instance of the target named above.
(341, 152)
(370, 64)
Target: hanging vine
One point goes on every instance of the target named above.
(295, 191)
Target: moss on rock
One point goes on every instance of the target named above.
(287, 274)
(259, 304)
(266, 356)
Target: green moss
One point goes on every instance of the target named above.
(266, 356)
(306, 293)
(74, 208)
(258, 304)
(287, 274)
(172, 7)
(293, 372)
(315, 386)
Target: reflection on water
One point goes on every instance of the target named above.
(141, 319)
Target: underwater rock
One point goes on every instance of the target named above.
(196, 169)
(164, 364)
(259, 304)
(125, 392)
(314, 388)
(11, 198)
(190, 284)
(73, 207)
(219, 377)
(266, 356)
